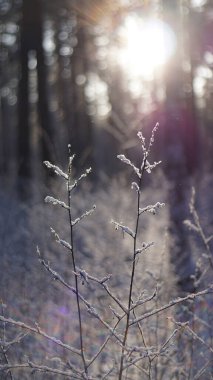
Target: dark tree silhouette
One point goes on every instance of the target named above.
(31, 37)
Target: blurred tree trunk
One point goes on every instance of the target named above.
(4, 136)
(71, 81)
(181, 139)
(31, 37)
(23, 99)
(81, 128)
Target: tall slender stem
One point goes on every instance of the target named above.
(74, 269)
(133, 267)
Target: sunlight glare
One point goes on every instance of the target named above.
(146, 46)
(198, 3)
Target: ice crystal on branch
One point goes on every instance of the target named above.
(152, 209)
(135, 186)
(56, 169)
(84, 215)
(59, 240)
(56, 201)
(142, 139)
(149, 167)
(144, 247)
(152, 138)
(82, 176)
(123, 228)
(123, 158)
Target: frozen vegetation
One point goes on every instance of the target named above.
(98, 298)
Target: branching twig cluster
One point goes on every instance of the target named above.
(128, 350)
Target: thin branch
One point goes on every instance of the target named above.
(4, 343)
(70, 187)
(84, 215)
(143, 301)
(40, 368)
(56, 169)
(55, 201)
(145, 345)
(200, 229)
(6, 361)
(18, 339)
(135, 234)
(172, 303)
(37, 330)
(196, 336)
(59, 278)
(202, 370)
(102, 347)
(102, 282)
(90, 309)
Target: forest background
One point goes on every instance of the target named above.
(92, 74)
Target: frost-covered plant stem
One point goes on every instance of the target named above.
(143, 165)
(195, 225)
(69, 188)
(200, 229)
(3, 349)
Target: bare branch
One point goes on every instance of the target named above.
(37, 330)
(172, 303)
(40, 368)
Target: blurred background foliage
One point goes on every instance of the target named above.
(92, 73)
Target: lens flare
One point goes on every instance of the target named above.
(146, 46)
